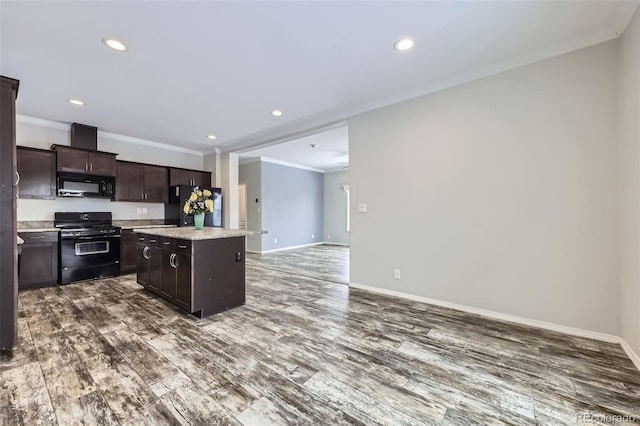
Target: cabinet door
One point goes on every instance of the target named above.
(155, 184)
(72, 160)
(155, 269)
(39, 260)
(37, 170)
(102, 164)
(128, 252)
(129, 182)
(179, 177)
(168, 275)
(202, 178)
(183, 280)
(143, 264)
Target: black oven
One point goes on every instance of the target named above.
(80, 185)
(89, 246)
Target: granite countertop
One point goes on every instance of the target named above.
(147, 226)
(22, 230)
(190, 233)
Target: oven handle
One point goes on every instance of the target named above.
(100, 237)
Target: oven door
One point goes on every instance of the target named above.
(87, 252)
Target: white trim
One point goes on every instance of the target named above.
(497, 315)
(291, 247)
(630, 353)
(146, 142)
(43, 123)
(253, 251)
(288, 164)
(335, 244)
(67, 127)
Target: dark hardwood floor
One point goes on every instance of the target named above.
(301, 351)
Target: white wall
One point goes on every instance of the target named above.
(499, 194)
(335, 207)
(251, 174)
(40, 136)
(630, 182)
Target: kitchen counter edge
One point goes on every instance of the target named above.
(208, 233)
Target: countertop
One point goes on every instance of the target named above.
(20, 240)
(190, 233)
(147, 226)
(22, 230)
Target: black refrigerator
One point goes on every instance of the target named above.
(178, 195)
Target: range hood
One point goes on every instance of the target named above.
(83, 136)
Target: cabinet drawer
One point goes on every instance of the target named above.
(152, 240)
(183, 246)
(167, 243)
(39, 237)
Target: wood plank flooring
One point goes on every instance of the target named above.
(302, 350)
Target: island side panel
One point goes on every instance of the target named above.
(218, 274)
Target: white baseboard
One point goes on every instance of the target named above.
(610, 338)
(291, 247)
(329, 243)
(630, 353)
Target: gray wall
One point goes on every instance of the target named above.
(292, 206)
(499, 194)
(630, 182)
(251, 174)
(335, 207)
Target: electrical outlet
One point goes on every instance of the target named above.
(396, 274)
(362, 208)
(139, 210)
(144, 210)
(275, 241)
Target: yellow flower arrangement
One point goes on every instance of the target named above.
(199, 202)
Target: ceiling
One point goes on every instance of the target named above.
(329, 153)
(199, 67)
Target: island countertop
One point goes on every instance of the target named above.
(190, 233)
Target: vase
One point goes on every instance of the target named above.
(198, 220)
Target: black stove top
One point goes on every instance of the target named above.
(84, 224)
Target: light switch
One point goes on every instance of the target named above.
(362, 208)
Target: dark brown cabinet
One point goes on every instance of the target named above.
(37, 173)
(76, 160)
(141, 182)
(39, 260)
(203, 276)
(189, 177)
(8, 192)
(128, 252)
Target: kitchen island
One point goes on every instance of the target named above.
(202, 271)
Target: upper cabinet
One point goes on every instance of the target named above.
(141, 182)
(189, 177)
(76, 160)
(37, 173)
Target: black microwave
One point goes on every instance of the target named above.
(80, 185)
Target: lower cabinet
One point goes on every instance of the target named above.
(39, 260)
(203, 277)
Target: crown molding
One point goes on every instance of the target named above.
(42, 122)
(288, 164)
(115, 136)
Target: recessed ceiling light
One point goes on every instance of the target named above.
(404, 44)
(76, 102)
(211, 137)
(276, 113)
(114, 44)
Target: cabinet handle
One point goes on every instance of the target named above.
(166, 243)
(86, 166)
(173, 255)
(141, 239)
(17, 178)
(37, 237)
(152, 241)
(182, 246)
(91, 167)
(144, 253)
